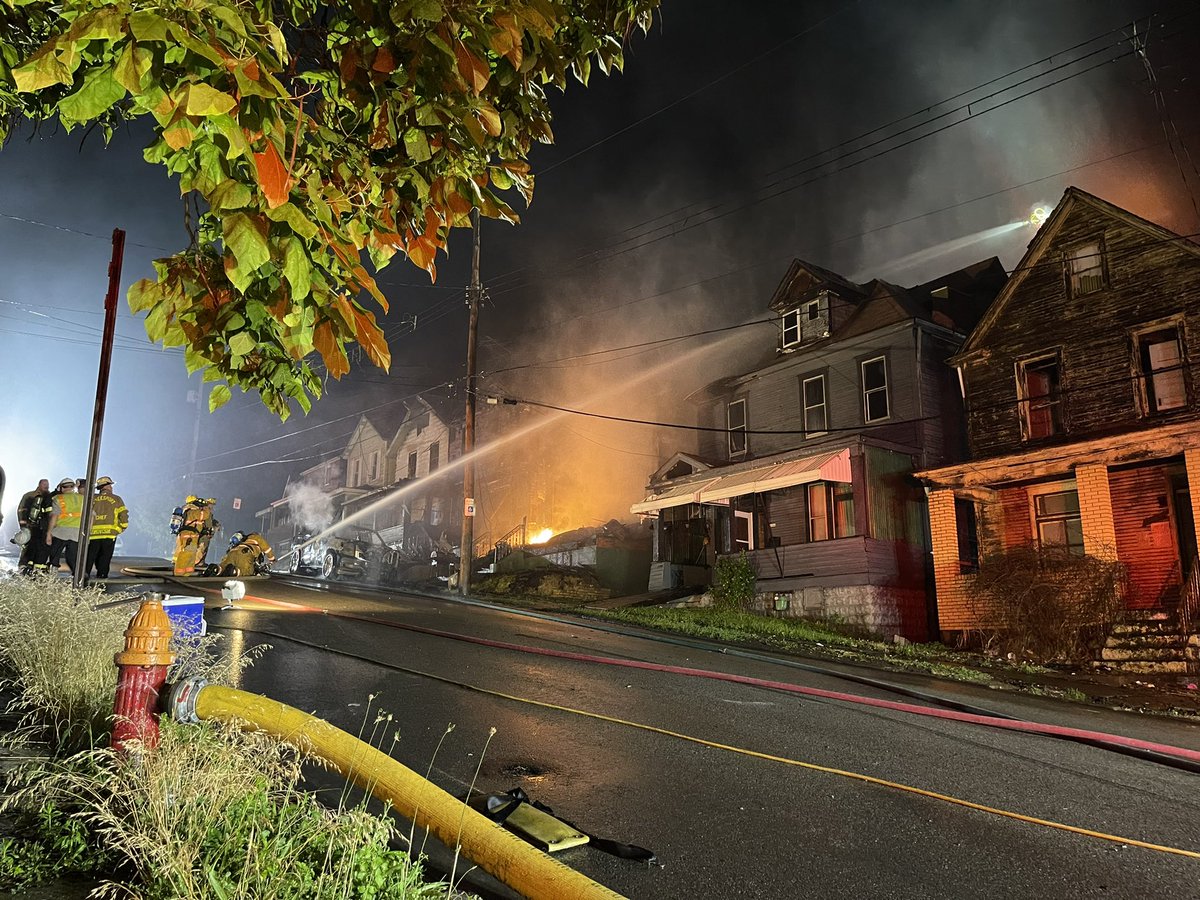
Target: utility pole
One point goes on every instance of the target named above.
(466, 553)
(106, 347)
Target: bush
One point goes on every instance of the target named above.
(1045, 604)
(733, 581)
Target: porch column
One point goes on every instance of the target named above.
(1191, 459)
(943, 532)
(1095, 511)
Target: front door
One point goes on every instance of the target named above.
(1185, 524)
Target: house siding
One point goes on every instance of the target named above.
(1148, 280)
(1145, 536)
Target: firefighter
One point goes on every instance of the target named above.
(33, 514)
(249, 554)
(194, 525)
(109, 519)
(66, 515)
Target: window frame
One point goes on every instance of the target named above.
(796, 327)
(435, 453)
(824, 405)
(355, 472)
(967, 532)
(1036, 520)
(1144, 391)
(414, 458)
(1025, 402)
(865, 392)
(373, 465)
(735, 544)
(743, 428)
(1070, 276)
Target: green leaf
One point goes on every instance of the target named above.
(204, 100)
(148, 26)
(217, 398)
(428, 11)
(144, 294)
(156, 322)
(132, 66)
(289, 213)
(230, 194)
(242, 343)
(40, 72)
(246, 239)
(100, 90)
(416, 145)
(296, 268)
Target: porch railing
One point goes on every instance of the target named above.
(1189, 602)
(514, 538)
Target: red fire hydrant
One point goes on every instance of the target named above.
(142, 672)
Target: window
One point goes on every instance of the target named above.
(1085, 265)
(1040, 400)
(433, 457)
(875, 390)
(812, 310)
(355, 468)
(435, 511)
(968, 535)
(373, 468)
(813, 395)
(1161, 363)
(412, 464)
(791, 328)
(736, 422)
(830, 510)
(1057, 522)
(743, 530)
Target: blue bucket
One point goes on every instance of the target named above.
(186, 615)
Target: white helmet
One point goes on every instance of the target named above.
(21, 538)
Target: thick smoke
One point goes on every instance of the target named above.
(312, 508)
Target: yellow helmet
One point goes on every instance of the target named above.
(191, 498)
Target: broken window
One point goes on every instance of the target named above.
(813, 310)
(1160, 358)
(968, 535)
(791, 328)
(813, 395)
(1057, 522)
(1085, 265)
(1040, 383)
(875, 390)
(736, 423)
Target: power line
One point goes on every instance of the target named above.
(64, 228)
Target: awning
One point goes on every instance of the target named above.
(833, 466)
(676, 495)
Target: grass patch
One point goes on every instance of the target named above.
(210, 812)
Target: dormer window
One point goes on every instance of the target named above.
(791, 328)
(812, 310)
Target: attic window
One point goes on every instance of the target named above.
(812, 310)
(791, 328)
(1085, 264)
(736, 419)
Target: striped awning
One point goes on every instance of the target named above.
(675, 495)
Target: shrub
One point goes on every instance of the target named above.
(1045, 604)
(733, 581)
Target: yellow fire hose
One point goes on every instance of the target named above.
(511, 860)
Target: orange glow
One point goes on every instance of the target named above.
(542, 536)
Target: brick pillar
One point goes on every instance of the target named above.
(943, 533)
(1192, 459)
(1095, 510)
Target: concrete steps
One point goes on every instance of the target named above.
(1148, 641)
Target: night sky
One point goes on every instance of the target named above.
(674, 199)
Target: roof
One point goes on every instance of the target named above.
(1073, 198)
(805, 280)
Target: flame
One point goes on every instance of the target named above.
(542, 536)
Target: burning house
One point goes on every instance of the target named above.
(806, 464)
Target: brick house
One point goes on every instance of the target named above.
(1081, 410)
(807, 464)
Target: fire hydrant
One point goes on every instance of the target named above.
(142, 672)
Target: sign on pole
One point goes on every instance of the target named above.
(237, 502)
(469, 506)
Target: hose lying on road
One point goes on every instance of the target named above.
(1167, 754)
(521, 866)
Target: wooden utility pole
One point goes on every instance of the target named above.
(106, 347)
(466, 553)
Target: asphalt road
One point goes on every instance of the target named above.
(724, 822)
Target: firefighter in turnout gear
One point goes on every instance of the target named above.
(195, 526)
(249, 554)
(66, 515)
(109, 519)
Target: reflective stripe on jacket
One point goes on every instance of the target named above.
(109, 516)
(69, 507)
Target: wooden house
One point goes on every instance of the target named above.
(807, 462)
(1082, 411)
